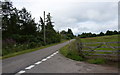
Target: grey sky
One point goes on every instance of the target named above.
(94, 16)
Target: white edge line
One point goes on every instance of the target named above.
(48, 57)
(22, 71)
(38, 62)
(44, 59)
(54, 53)
(51, 55)
(29, 67)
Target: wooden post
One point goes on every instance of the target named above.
(44, 30)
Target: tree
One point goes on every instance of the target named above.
(51, 35)
(109, 32)
(63, 32)
(10, 19)
(70, 33)
(115, 32)
(101, 34)
(67, 34)
(118, 32)
(94, 35)
(28, 25)
(41, 23)
(20, 31)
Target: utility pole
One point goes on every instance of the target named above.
(44, 30)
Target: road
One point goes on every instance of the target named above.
(60, 64)
(49, 60)
(21, 61)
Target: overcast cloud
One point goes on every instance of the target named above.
(75, 14)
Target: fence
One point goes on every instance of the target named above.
(106, 54)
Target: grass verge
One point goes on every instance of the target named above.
(29, 50)
(70, 51)
(96, 61)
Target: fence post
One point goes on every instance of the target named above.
(79, 47)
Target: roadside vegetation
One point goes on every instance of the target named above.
(94, 50)
(71, 51)
(21, 34)
(29, 50)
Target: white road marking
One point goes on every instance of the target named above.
(22, 71)
(52, 55)
(38, 62)
(57, 52)
(48, 57)
(31, 66)
(44, 59)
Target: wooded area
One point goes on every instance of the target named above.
(20, 31)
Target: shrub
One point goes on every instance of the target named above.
(32, 45)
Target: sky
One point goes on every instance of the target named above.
(79, 15)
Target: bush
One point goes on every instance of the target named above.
(32, 45)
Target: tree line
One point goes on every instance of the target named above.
(20, 31)
(67, 34)
(108, 32)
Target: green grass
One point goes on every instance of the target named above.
(103, 52)
(106, 49)
(64, 50)
(96, 61)
(113, 44)
(70, 51)
(110, 38)
(92, 44)
(73, 53)
(28, 50)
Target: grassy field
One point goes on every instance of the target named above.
(71, 51)
(106, 39)
(29, 50)
(111, 38)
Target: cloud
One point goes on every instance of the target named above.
(75, 14)
(90, 17)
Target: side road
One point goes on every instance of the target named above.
(61, 64)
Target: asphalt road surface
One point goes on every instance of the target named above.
(60, 64)
(49, 60)
(17, 63)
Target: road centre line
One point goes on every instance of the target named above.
(38, 62)
(31, 66)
